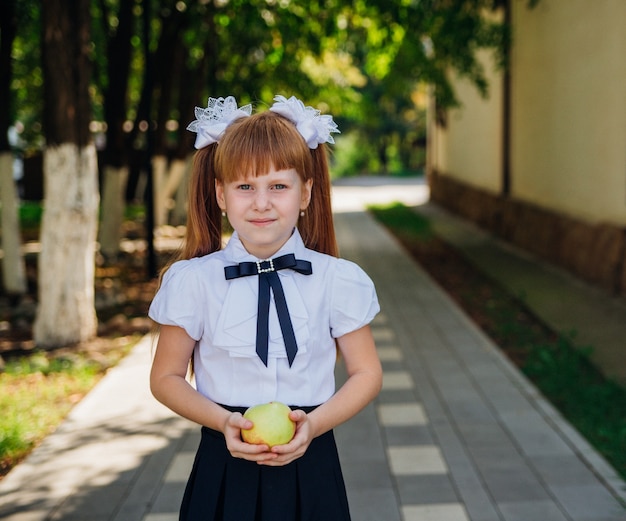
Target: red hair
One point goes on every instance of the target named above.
(250, 147)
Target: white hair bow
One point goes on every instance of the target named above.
(314, 127)
(211, 121)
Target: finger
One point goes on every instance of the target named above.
(298, 415)
(280, 460)
(237, 421)
(256, 453)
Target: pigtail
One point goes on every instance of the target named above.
(204, 222)
(316, 226)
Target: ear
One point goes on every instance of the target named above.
(306, 194)
(219, 195)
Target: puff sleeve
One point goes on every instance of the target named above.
(179, 302)
(354, 302)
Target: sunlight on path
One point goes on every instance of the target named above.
(353, 194)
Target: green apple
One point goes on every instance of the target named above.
(272, 425)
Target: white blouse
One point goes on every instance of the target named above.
(337, 298)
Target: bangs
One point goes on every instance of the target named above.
(251, 146)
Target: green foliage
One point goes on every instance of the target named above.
(366, 62)
(30, 214)
(596, 407)
(350, 158)
(26, 101)
(403, 222)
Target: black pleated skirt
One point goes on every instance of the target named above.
(223, 488)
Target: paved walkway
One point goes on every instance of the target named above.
(457, 434)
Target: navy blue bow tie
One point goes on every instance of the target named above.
(266, 270)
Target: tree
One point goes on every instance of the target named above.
(13, 271)
(66, 311)
(117, 30)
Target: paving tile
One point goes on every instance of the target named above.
(396, 396)
(383, 335)
(399, 414)
(507, 475)
(393, 380)
(191, 440)
(468, 409)
(33, 515)
(446, 512)
(169, 498)
(367, 504)
(369, 473)
(389, 354)
(161, 517)
(589, 503)
(564, 470)
(465, 475)
(425, 489)
(514, 485)
(416, 460)
(483, 435)
(390, 366)
(180, 468)
(545, 510)
(533, 434)
(408, 435)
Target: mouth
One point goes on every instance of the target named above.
(261, 222)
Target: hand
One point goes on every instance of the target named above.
(285, 454)
(239, 448)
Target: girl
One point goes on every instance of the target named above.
(262, 318)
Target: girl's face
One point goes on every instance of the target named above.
(264, 210)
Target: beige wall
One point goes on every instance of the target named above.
(568, 113)
(569, 107)
(470, 147)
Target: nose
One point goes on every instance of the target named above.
(262, 200)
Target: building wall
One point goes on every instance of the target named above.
(470, 146)
(568, 114)
(568, 107)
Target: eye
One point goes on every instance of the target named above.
(244, 187)
(280, 186)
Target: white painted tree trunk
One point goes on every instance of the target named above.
(172, 182)
(166, 183)
(112, 210)
(66, 312)
(13, 271)
(179, 213)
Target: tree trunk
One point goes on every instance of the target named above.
(66, 311)
(159, 173)
(116, 154)
(171, 184)
(113, 202)
(13, 271)
(179, 213)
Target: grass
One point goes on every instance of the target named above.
(559, 368)
(37, 391)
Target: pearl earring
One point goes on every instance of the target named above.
(302, 213)
(223, 214)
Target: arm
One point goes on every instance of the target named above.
(363, 384)
(169, 385)
(365, 377)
